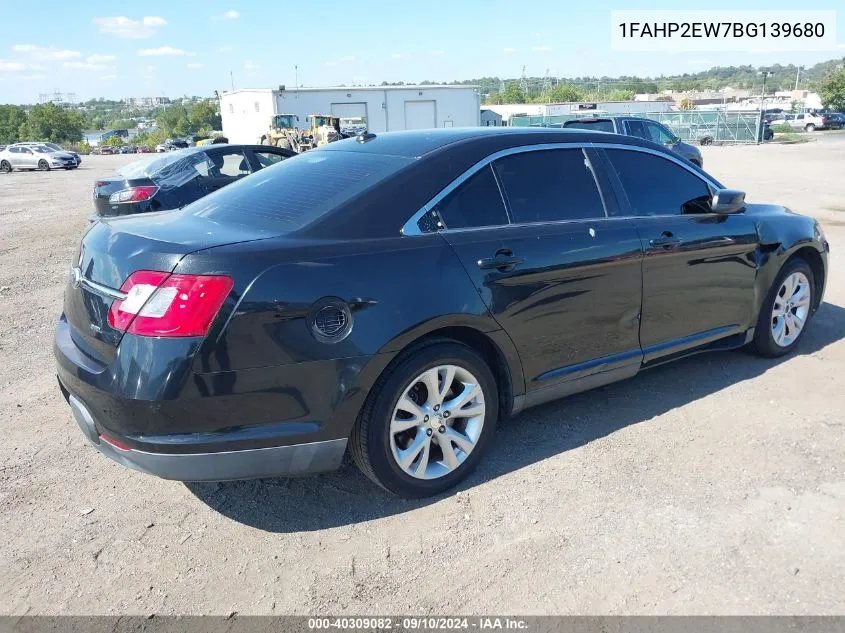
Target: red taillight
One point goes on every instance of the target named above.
(160, 304)
(99, 183)
(133, 194)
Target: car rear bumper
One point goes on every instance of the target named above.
(274, 461)
(276, 421)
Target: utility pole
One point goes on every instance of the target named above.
(765, 74)
(296, 79)
(797, 76)
(523, 83)
(232, 80)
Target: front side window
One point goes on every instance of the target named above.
(229, 165)
(475, 203)
(637, 128)
(265, 159)
(658, 133)
(549, 186)
(658, 186)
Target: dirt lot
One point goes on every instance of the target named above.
(715, 485)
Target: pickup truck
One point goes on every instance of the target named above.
(644, 128)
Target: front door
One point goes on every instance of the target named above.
(562, 279)
(699, 267)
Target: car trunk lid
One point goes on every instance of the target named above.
(113, 249)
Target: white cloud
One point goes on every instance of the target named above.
(84, 66)
(99, 59)
(251, 65)
(541, 49)
(437, 53)
(510, 50)
(9, 66)
(399, 56)
(108, 77)
(125, 28)
(34, 77)
(45, 53)
(227, 49)
(195, 66)
(331, 63)
(231, 14)
(161, 51)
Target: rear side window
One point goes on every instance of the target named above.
(476, 202)
(550, 185)
(658, 186)
(638, 129)
(297, 191)
(265, 159)
(602, 125)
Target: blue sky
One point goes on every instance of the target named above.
(183, 47)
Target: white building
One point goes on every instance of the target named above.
(557, 109)
(246, 113)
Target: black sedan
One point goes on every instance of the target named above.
(178, 178)
(397, 294)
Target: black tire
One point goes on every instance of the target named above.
(809, 128)
(764, 343)
(6, 167)
(370, 441)
(43, 165)
(707, 140)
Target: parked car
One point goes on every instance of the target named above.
(127, 149)
(641, 128)
(802, 121)
(33, 157)
(836, 120)
(107, 150)
(172, 144)
(397, 294)
(161, 147)
(143, 149)
(178, 178)
(55, 148)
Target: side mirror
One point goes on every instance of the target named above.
(727, 201)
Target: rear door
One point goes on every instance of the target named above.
(699, 267)
(562, 279)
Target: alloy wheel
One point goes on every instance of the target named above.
(437, 422)
(791, 309)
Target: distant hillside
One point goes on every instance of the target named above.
(740, 77)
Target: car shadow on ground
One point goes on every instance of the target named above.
(346, 496)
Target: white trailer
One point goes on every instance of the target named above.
(246, 113)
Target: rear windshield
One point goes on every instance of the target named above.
(295, 192)
(174, 169)
(602, 126)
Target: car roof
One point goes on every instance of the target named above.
(418, 143)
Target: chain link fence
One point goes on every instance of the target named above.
(692, 126)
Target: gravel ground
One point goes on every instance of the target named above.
(711, 486)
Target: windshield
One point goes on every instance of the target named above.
(283, 121)
(297, 191)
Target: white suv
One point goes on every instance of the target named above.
(805, 121)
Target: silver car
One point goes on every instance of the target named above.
(55, 148)
(35, 157)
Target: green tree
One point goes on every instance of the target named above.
(122, 124)
(686, 104)
(174, 121)
(113, 141)
(204, 116)
(513, 94)
(832, 90)
(49, 122)
(563, 93)
(11, 119)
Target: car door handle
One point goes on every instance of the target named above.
(501, 262)
(667, 240)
